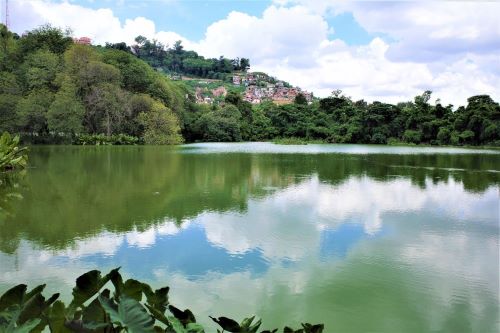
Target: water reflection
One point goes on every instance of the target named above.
(409, 241)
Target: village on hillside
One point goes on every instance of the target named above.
(256, 87)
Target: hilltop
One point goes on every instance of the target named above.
(209, 80)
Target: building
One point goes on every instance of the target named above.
(279, 94)
(236, 80)
(82, 40)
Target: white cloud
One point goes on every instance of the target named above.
(99, 24)
(313, 206)
(449, 48)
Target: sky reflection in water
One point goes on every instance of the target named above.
(285, 236)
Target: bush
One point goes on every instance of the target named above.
(11, 156)
(378, 138)
(443, 136)
(95, 309)
(412, 136)
(101, 139)
(466, 137)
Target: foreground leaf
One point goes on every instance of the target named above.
(129, 314)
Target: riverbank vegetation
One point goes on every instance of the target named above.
(12, 156)
(133, 307)
(55, 91)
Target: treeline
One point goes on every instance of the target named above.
(53, 90)
(177, 60)
(339, 119)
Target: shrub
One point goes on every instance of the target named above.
(102, 140)
(95, 309)
(11, 156)
(412, 136)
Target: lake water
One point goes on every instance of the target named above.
(361, 238)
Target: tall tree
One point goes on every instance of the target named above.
(66, 113)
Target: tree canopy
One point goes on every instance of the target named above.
(53, 90)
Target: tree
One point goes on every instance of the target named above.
(412, 136)
(40, 69)
(300, 99)
(10, 93)
(118, 46)
(161, 126)
(9, 49)
(32, 111)
(106, 108)
(137, 75)
(220, 125)
(77, 57)
(66, 113)
(46, 37)
(244, 64)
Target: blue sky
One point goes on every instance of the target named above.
(190, 18)
(389, 51)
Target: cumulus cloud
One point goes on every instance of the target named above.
(449, 48)
(312, 206)
(102, 25)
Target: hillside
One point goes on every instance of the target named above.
(209, 80)
(54, 89)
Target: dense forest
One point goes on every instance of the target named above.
(176, 60)
(52, 90)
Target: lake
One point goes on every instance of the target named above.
(362, 238)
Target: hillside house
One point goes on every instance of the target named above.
(82, 40)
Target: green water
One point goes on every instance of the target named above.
(361, 238)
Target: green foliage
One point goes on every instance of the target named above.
(32, 110)
(124, 311)
(161, 126)
(52, 91)
(22, 311)
(177, 60)
(66, 113)
(45, 37)
(295, 141)
(11, 156)
(103, 140)
(40, 69)
(300, 99)
(220, 125)
(412, 136)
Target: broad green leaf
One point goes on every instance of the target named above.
(176, 326)
(33, 292)
(57, 318)
(8, 317)
(27, 326)
(185, 316)
(93, 316)
(133, 289)
(227, 324)
(13, 296)
(157, 299)
(247, 327)
(158, 315)
(88, 285)
(35, 305)
(195, 328)
(289, 330)
(308, 328)
(129, 314)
